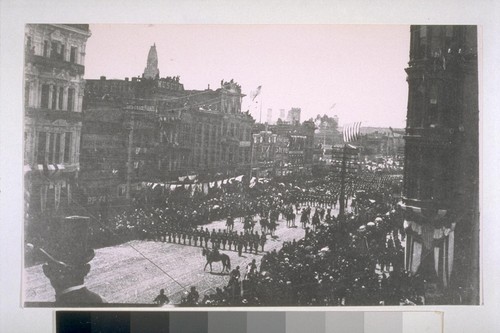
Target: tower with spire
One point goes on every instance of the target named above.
(151, 71)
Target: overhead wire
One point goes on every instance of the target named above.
(130, 245)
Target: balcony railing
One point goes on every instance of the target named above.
(74, 69)
(49, 114)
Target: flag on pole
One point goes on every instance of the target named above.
(351, 132)
(255, 93)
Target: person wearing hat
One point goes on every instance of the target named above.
(67, 263)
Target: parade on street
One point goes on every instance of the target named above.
(257, 178)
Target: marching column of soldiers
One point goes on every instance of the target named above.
(218, 239)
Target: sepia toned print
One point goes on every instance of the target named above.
(266, 188)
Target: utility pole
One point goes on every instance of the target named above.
(251, 156)
(342, 183)
(129, 156)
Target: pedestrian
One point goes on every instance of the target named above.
(161, 299)
(224, 239)
(195, 237)
(251, 269)
(240, 246)
(263, 241)
(193, 296)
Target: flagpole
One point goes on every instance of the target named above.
(260, 113)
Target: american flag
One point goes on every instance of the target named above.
(351, 132)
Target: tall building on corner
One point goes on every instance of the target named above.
(53, 95)
(151, 71)
(441, 180)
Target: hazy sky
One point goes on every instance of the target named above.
(359, 68)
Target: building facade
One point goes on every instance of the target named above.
(282, 149)
(265, 150)
(53, 96)
(158, 132)
(441, 180)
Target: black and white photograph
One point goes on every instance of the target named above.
(170, 165)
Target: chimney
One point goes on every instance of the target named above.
(103, 78)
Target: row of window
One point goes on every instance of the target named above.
(54, 148)
(54, 100)
(55, 50)
(434, 41)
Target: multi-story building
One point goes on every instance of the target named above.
(441, 179)
(162, 131)
(265, 147)
(53, 95)
(283, 148)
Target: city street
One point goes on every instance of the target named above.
(130, 272)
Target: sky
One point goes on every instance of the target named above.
(353, 71)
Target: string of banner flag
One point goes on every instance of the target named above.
(200, 187)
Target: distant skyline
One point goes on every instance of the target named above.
(357, 69)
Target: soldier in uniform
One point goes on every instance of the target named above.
(245, 240)
(169, 233)
(224, 239)
(195, 236)
(256, 239)
(207, 237)
(263, 240)
(240, 244)
(189, 235)
(235, 238)
(229, 240)
(230, 223)
(184, 236)
(213, 238)
(174, 234)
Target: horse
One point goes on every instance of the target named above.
(213, 256)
